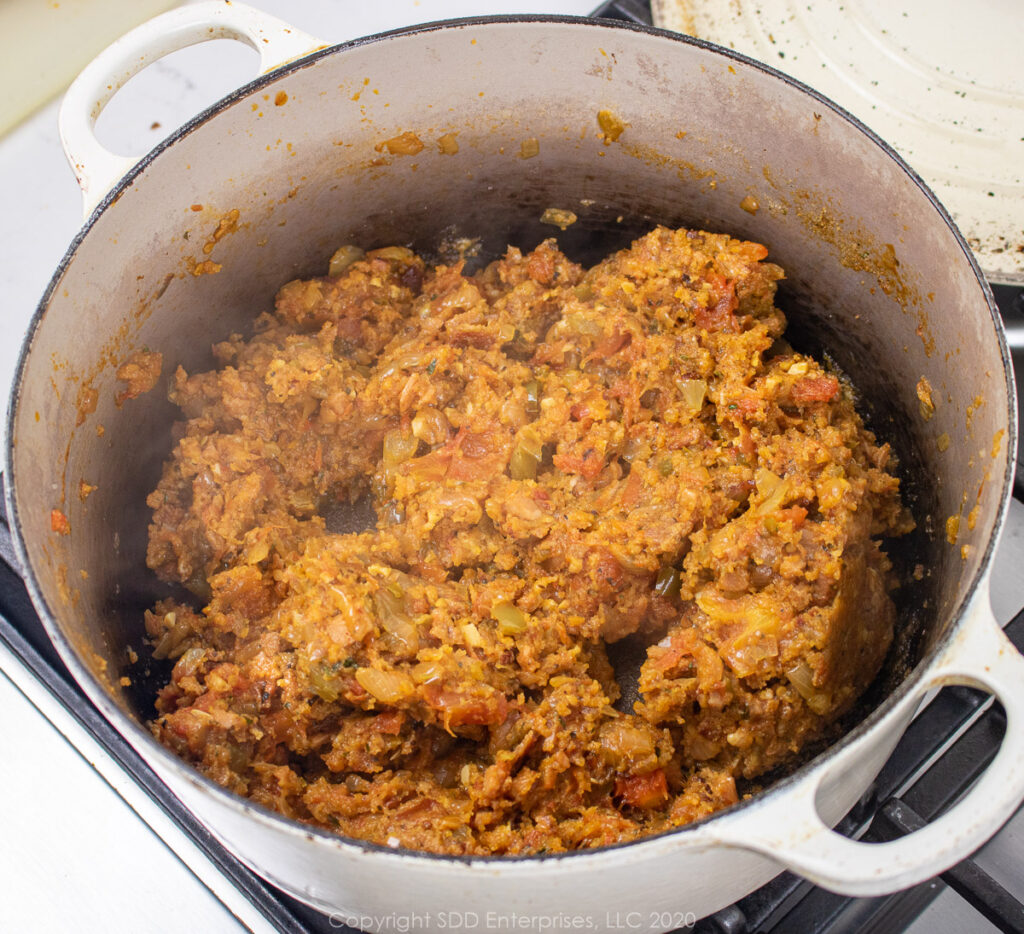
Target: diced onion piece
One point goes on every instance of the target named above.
(188, 663)
(511, 619)
(400, 253)
(399, 448)
(394, 618)
(774, 488)
(766, 481)
(580, 324)
(635, 449)
(635, 563)
(172, 643)
(425, 672)
(506, 332)
(693, 392)
(343, 258)
(802, 679)
(389, 687)
(523, 464)
(472, 635)
(623, 743)
(324, 682)
(532, 397)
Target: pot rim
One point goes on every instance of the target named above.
(138, 735)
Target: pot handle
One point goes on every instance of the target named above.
(792, 832)
(96, 167)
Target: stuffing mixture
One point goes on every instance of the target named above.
(551, 459)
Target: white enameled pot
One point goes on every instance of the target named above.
(877, 274)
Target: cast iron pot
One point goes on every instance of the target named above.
(877, 275)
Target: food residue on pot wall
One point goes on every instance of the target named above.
(925, 400)
(858, 249)
(228, 224)
(86, 402)
(59, 522)
(952, 529)
(973, 407)
(611, 126)
(558, 217)
(139, 373)
(205, 268)
(405, 144)
(448, 145)
(529, 148)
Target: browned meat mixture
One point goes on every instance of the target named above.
(557, 458)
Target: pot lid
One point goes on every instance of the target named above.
(941, 81)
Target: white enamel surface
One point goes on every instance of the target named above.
(938, 79)
(96, 168)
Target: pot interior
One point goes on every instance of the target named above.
(876, 277)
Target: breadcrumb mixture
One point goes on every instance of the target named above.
(556, 458)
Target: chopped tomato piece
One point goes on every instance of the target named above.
(815, 389)
(480, 707)
(643, 791)
(718, 316)
(390, 722)
(794, 514)
(589, 465)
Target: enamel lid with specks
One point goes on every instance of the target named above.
(940, 80)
